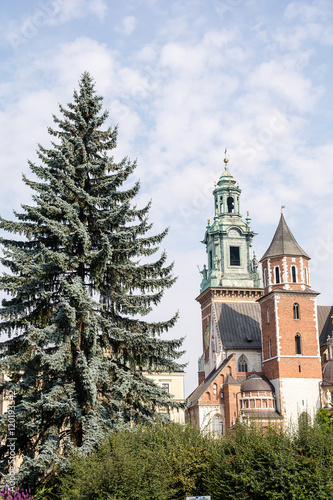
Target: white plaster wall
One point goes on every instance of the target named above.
(207, 412)
(297, 395)
(253, 357)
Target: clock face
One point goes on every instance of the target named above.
(206, 335)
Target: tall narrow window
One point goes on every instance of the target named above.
(230, 203)
(306, 276)
(293, 274)
(296, 311)
(277, 274)
(217, 425)
(269, 348)
(210, 260)
(265, 277)
(267, 315)
(234, 256)
(298, 344)
(242, 364)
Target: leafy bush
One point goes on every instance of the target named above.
(151, 462)
(273, 465)
(171, 462)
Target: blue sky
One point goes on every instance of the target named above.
(185, 79)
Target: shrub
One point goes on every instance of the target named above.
(151, 462)
(272, 465)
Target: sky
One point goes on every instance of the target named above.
(185, 79)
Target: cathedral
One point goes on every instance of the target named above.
(267, 347)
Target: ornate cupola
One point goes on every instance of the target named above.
(228, 240)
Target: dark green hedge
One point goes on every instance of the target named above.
(171, 462)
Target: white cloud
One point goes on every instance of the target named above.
(128, 25)
(182, 91)
(99, 7)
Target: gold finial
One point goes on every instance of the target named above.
(208, 222)
(225, 156)
(247, 213)
(282, 207)
(214, 184)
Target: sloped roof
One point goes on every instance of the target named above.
(198, 392)
(325, 326)
(257, 382)
(263, 414)
(239, 325)
(283, 243)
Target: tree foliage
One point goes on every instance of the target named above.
(80, 280)
(172, 462)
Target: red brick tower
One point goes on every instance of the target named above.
(291, 357)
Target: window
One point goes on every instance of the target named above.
(267, 315)
(277, 275)
(306, 276)
(269, 348)
(298, 344)
(265, 277)
(166, 387)
(242, 364)
(234, 256)
(230, 203)
(217, 425)
(293, 274)
(210, 260)
(296, 311)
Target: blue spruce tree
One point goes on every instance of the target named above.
(77, 295)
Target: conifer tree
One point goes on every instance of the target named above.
(79, 284)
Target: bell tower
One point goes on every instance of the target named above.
(291, 356)
(230, 276)
(228, 240)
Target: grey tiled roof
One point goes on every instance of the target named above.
(283, 243)
(325, 326)
(264, 414)
(239, 325)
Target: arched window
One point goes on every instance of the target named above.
(298, 344)
(293, 274)
(269, 348)
(265, 277)
(306, 276)
(208, 396)
(277, 274)
(216, 425)
(304, 419)
(296, 311)
(230, 203)
(242, 364)
(267, 315)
